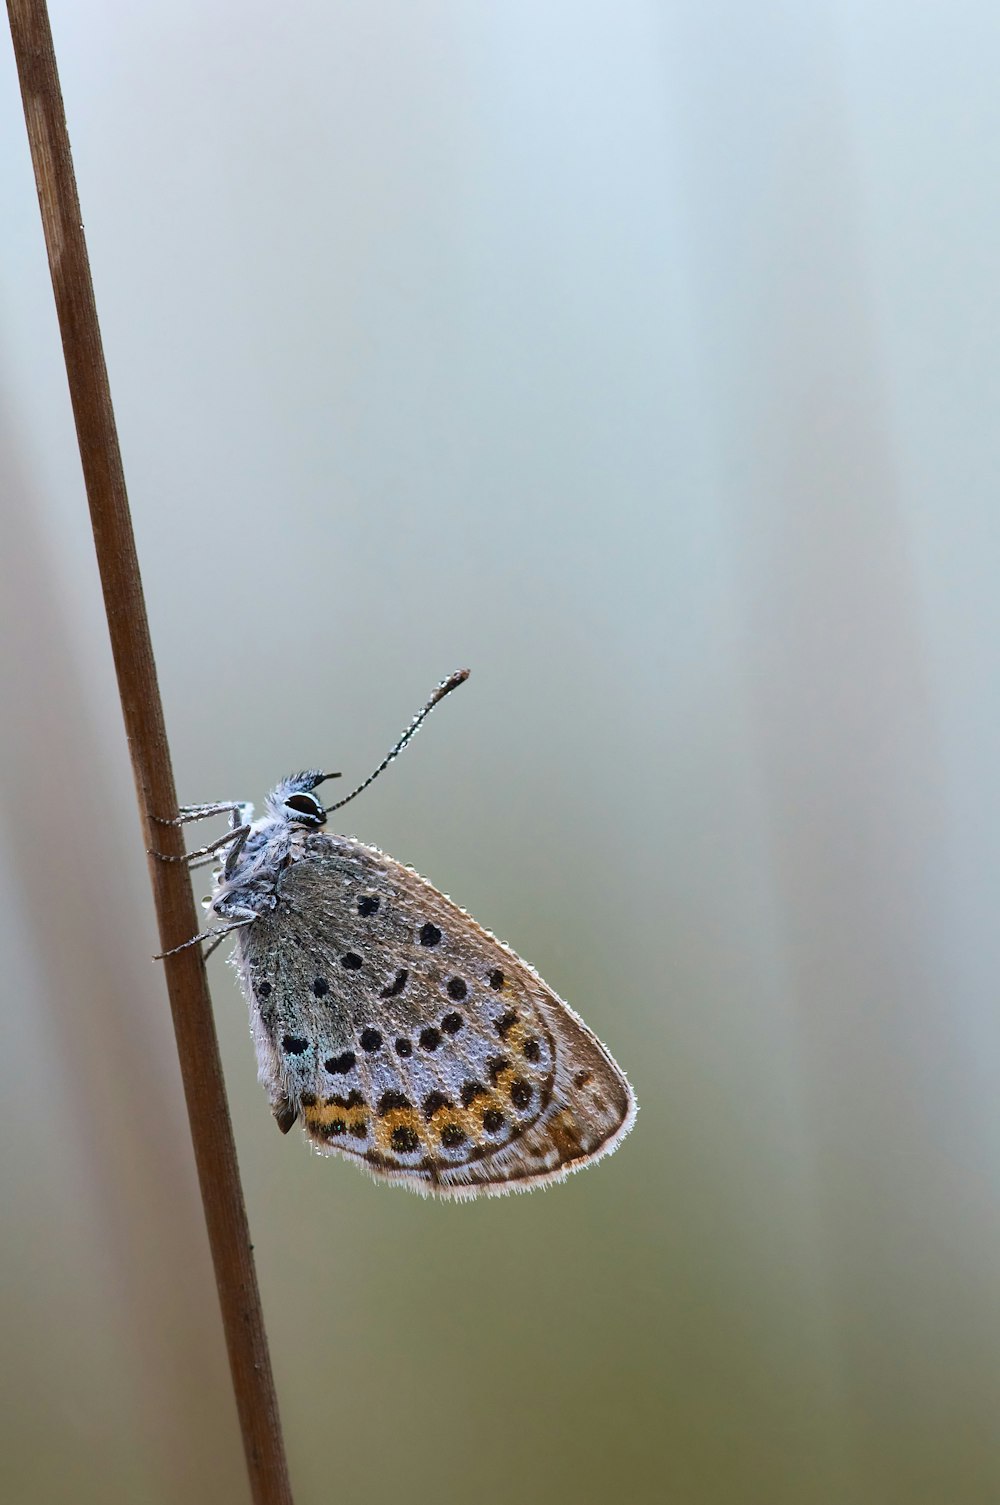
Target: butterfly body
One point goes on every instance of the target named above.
(401, 1033)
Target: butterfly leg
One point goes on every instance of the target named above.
(247, 917)
(218, 936)
(238, 836)
(188, 813)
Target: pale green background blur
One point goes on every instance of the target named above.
(645, 359)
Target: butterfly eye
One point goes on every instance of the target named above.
(305, 809)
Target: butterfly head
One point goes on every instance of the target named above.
(294, 803)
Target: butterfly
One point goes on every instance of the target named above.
(400, 1033)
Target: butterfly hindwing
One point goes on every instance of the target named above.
(410, 1039)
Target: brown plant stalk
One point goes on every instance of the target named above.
(194, 1026)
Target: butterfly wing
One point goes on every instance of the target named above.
(410, 1039)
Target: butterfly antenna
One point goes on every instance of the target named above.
(444, 688)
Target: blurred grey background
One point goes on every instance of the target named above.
(643, 357)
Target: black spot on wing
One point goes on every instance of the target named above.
(397, 985)
(341, 1065)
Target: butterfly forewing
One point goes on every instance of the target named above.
(410, 1039)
